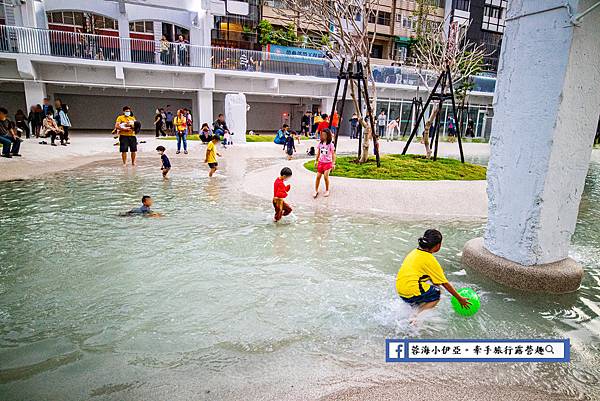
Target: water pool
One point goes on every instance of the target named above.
(214, 301)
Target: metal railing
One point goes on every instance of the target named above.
(111, 48)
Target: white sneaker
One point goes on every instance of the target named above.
(326, 194)
(315, 194)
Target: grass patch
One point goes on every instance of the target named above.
(267, 138)
(405, 167)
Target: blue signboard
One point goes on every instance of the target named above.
(283, 53)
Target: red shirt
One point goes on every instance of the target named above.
(336, 120)
(322, 125)
(280, 190)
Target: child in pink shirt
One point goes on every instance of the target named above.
(325, 160)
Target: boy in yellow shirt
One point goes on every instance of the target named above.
(211, 155)
(419, 267)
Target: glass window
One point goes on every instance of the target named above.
(78, 19)
(149, 26)
(463, 5)
(68, 18)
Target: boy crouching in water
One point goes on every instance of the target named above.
(421, 266)
(280, 192)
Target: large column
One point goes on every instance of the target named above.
(326, 105)
(204, 107)
(545, 105)
(125, 43)
(235, 115)
(35, 92)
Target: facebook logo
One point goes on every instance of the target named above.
(394, 350)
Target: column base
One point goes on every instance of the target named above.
(554, 278)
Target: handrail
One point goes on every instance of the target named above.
(39, 41)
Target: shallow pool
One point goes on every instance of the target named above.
(214, 301)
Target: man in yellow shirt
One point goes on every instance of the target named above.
(211, 155)
(419, 267)
(124, 125)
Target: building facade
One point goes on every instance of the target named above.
(99, 55)
(487, 22)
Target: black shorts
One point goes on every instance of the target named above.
(213, 165)
(127, 143)
(431, 295)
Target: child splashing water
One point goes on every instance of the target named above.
(421, 266)
(325, 160)
(280, 192)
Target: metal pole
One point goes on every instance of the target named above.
(459, 131)
(360, 127)
(337, 90)
(348, 75)
(421, 115)
(370, 114)
(438, 118)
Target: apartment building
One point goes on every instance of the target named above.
(98, 55)
(394, 26)
(487, 21)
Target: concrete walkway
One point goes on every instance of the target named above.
(408, 200)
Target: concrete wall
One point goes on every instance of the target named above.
(90, 112)
(12, 96)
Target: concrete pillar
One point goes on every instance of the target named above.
(125, 44)
(326, 105)
(204, 107)
(35, 92)
(545, 106)
(235, 115)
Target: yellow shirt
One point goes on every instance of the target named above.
(180, 123)
(126, 119)
(211, 153)
(317, 119)
(418, 267)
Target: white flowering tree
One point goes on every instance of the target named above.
(345, 26)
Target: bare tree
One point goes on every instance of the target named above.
(346, 25)
(437, 49)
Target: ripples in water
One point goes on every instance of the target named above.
(215, 290)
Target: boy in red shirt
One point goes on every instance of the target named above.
(323, 124)
(280, 192)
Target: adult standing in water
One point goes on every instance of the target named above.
(127, 140)
(180, 123)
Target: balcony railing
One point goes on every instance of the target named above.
(111, 48)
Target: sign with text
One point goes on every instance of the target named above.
(532, 350)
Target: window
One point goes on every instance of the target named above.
(492, 12)
(464, 5)
(377, 51)
(493, 19)
(141, 26)
(382, 18)
(101, 22)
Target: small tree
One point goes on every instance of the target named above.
(435, 50)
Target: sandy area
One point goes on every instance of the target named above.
(408, 200)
